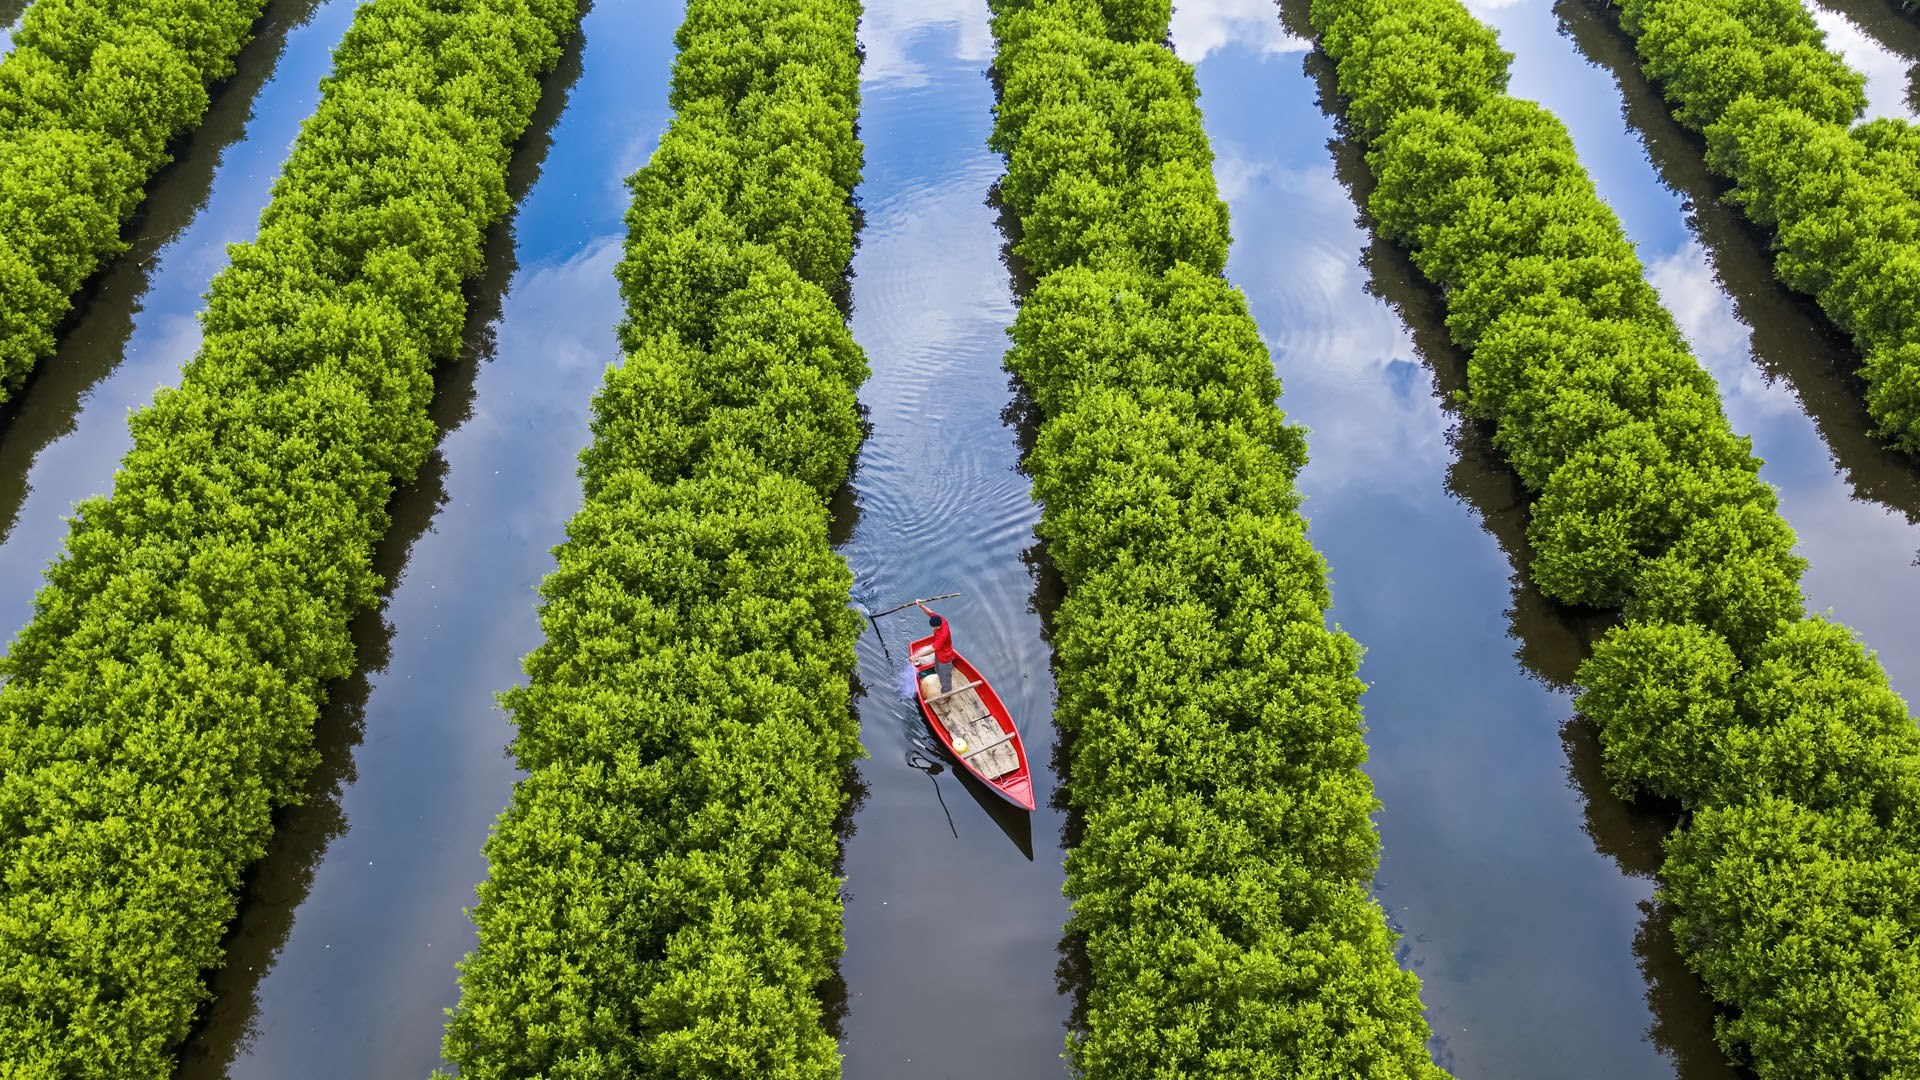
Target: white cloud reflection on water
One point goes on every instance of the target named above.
(887, 33)
(1203, 27)
(1886, 73)
(1464, 745)
(1721, 341)
(1861, 552)
(1481, 8)
(385, 911)
(1293, 254)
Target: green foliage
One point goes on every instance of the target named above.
(1778, 733)
(1221, 883)
(1732, 571)
(662, 898)
(1663, 693)
(1709, 53)
(1806, 919)
(90, 97)
(1120, 174)
(1775, 106)
(160, 705)
(1395, 57)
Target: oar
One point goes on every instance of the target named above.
(913, 603)
(873, 617)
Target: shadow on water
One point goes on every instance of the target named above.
(1892, 23)
(1551, 639)
(93, 338)
(12, 13)
(843, 517)
(1894, 29)
(1015, 823)
(278, 883)
(948, 917)
(1791, 340)
(835, 1001)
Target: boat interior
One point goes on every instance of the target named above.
(977, 737)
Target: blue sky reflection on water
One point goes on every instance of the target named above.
(1520, 910)
(1540, 980)
(1887, 72)
(140, 322)
(11, 13)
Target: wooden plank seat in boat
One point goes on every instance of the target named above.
(1003, 737)
(966, 717)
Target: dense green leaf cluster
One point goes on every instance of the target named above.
(1793, 875)
(662, 898)
(90, 97)
(161, 703)
(1844, 201)
(1221, 884)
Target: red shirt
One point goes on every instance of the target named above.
(943, 643)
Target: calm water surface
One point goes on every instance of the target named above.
(954, 910)
(63, 436)
(11, 12)
(1539, 953)
(345, 956)
(1881, 43)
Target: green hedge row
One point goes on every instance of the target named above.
(90, 97)
(1221, 884)
(161, 703)
(662, 898)
(1843, 201)
(1791, 873)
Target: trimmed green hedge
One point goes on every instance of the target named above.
(90, 97)
(1843, 200)
(161, 703)
(1221, 884)
(1791, 873)
(662, 899)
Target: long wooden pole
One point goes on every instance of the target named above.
(873, 619)
(911, 603)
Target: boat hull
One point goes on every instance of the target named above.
(1015, 785)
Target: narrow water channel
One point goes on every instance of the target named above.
(1880, 43)
(1521, 886)
(1516, 881)
(351, 927)
(63, 435)
(11, 12)
(1895, 24)
(954, 910)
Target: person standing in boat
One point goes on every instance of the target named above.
(942, 648)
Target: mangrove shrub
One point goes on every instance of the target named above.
(1221, 881)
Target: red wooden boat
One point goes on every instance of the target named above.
(974, 726)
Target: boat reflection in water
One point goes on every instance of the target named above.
(929, 755)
